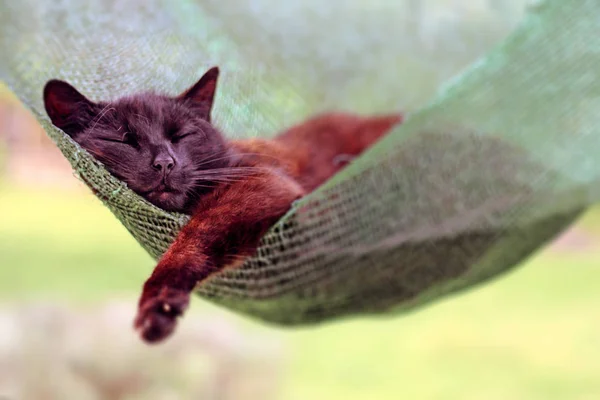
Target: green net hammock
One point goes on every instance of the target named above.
(501, 160)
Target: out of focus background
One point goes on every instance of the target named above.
(70, 275)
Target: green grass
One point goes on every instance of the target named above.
(66, 246)
(534, 334)
(591, 221)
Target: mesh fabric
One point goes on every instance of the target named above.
(486, 169)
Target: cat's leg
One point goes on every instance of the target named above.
(227, 225)
(165, 296)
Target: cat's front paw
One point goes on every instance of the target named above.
(157, 315)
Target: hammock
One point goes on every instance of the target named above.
(487, 168)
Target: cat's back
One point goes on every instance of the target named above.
(323, 145)
(310, 152)
(340, 130)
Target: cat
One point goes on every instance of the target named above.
(166, 150)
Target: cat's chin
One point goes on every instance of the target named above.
(168, 201)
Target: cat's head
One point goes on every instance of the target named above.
(156, 144)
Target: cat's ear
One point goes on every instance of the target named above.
(68, 109)
(202, 94)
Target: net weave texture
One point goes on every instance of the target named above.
(487, 168)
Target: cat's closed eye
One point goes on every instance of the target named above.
(127, 138)
(130, 139)
(176, 136)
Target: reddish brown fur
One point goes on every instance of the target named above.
(229, 222)
(166, 150)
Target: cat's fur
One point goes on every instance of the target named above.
(166, 149)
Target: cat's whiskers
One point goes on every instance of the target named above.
(225, 174)
(105, 158)
(210, 160)
(217, 180)
(232, 170)
(114, 161)
(141, 116)
(224, 180)
(106, 109)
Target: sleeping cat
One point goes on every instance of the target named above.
(166, 150)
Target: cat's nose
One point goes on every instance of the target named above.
(163, 163)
